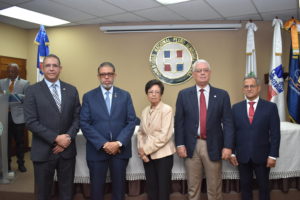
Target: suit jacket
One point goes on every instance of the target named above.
(46, 122)
(155, 134)
(260, 139)
(99, 127)
(219, 125)
(16, 109)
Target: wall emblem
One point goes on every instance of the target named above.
(171, 60)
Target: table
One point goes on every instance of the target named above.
(288, 164)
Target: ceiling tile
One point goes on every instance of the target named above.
(283, 15)
(159, 14)
(195, 10)
(14, 2)
(93, 7)
(95, 21)
(230, 8)
(133, 5)
(127, 17)
(57, 10)
(274, 5)
(245, 17)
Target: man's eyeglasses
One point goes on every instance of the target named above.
(249, 86)
(103, 75)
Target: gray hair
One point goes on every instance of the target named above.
(109, 64)
(13, 65)
(200, 61)
(254, 77)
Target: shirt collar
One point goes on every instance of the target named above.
(255, 100)
(49, 84)
(105, 90)
(206, 88)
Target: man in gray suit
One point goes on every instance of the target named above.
(52, 111)
(16, 87)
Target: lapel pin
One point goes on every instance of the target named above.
(64, 88)
(115, 95)
(215, 96)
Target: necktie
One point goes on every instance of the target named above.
(202, 115)
(251, 111)
(107, 101)
(11, 86)
(55, 96)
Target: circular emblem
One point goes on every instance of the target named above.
(171, 60)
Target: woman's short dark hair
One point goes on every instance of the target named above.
(155, 82)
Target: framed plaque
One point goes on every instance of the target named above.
(171, 60)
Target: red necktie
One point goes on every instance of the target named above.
(251, 111)
(202, 115)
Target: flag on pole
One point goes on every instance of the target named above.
(41, 39)
(276, 89)
(293, 93)
(250, 50)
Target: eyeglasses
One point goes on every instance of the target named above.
(102, 75)
(249, 86)
(153, 92)
(205, 70)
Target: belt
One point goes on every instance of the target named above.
(201, 137)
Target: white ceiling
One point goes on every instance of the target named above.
(118, 11)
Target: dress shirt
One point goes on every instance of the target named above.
(49, 84)
(206, 94)
(111, 90)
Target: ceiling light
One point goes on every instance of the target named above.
(31, 16)
(170, 1)
(169, 27)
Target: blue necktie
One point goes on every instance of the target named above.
(107, 101)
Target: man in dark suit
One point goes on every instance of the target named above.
(257, 139)
(203, 132)
(107, 120)
(52, 110)
(16, 125)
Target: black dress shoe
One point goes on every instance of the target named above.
(22, 168)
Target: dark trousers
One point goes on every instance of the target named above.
(44, 174)
(16, 133)
(246, 179)
(98, 173)
(158, 178)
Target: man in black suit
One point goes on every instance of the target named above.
(52, 111)
(203, 132)
(257, 139)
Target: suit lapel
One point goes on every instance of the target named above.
(64, 96)
(194, 100)
(47, 93)
(213, 97)
(244, 113)
(114, 101)
(258, 110)
(100, 100)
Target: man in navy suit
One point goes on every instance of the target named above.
(107, 120)
(257, 139)
(203, 132)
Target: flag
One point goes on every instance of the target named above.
(41, 39)
(276, 89)
(293, 93)
(250, 50)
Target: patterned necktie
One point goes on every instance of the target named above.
(11, 86)
(202, 115)
(251, 111)
(107, 101)
(55, 96)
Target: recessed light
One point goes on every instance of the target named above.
(31, 16)
(170, 1)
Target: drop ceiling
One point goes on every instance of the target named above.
(101, 12)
